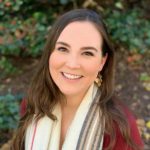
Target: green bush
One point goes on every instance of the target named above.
(25, 34)
(129, 28)
(24, 37)
(9, 111)
(24, 26)
(7, 67)
(9, 7)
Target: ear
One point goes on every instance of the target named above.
(103, 61)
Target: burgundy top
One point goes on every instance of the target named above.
(120, 142)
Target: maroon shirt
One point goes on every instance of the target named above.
(120, 142)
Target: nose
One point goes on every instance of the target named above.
(73, 62)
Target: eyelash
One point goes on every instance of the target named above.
(63, 49)
(89, 53)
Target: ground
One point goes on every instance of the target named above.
(131, 86)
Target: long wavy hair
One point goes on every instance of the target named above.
(44, 94)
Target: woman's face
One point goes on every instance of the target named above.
(77, 58)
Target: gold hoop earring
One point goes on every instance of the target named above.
(98, 80)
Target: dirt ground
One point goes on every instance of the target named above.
(130, 88)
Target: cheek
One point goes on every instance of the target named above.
(52, 63)
(55, 61)
(92, 68)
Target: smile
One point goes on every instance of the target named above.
(71, 76)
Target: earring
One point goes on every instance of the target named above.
(98, 80)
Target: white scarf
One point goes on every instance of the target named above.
(45, 134)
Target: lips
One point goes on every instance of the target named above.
(71, 76)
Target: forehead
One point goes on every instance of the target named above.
(81, 32)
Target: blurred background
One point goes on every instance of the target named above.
(24, 25)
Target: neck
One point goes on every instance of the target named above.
(72, 102)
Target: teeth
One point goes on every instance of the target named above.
(71, 76)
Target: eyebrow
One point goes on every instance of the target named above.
(83, 48)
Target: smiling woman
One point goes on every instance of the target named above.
(75, 62)
(71, 103)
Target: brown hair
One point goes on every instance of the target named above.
(44, 94)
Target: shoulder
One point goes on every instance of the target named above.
(23, 107)
(120, 142)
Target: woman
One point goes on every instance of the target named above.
(71, 103)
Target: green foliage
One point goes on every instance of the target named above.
(9, 6)
(63, 2)
(145, 77)
(130, 29)
(9, 111)
(6, 66)
(24, 25)
(23, 37)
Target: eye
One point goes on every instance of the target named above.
(62, 49)
(88, 53)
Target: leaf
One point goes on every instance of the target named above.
(13, 22)
(8, 4)
(146, 86)
(148, 124)
(19, 34)
(1, 40)
(144, 77)
(2, 27)
(134, 58)
(147, 136)
(63, 2)
(119, 5)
